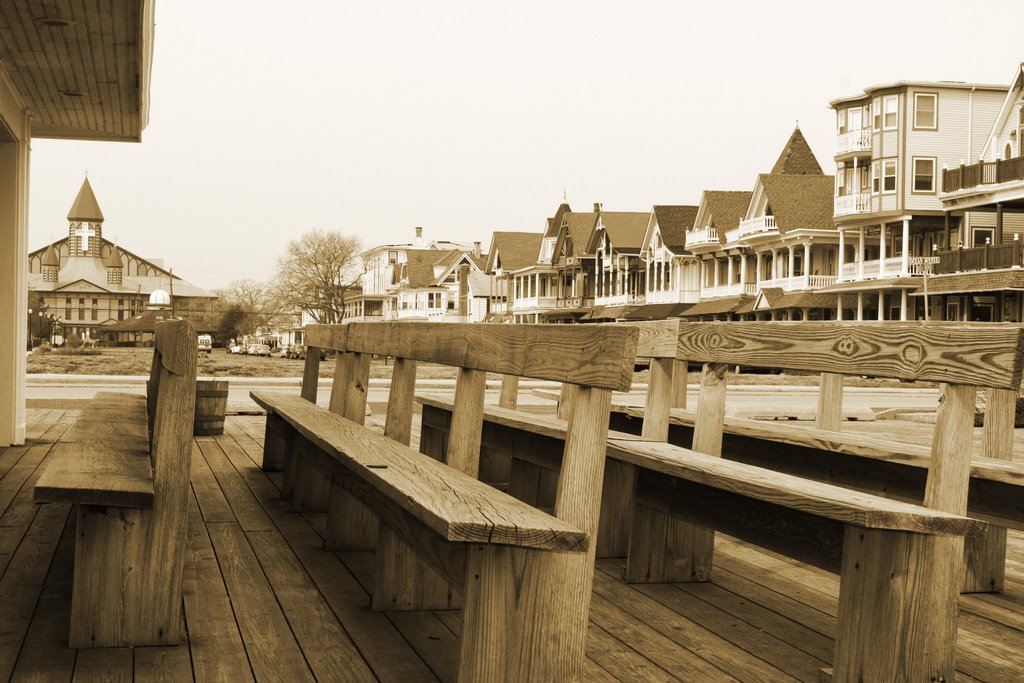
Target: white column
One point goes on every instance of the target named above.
(730, 271)
(860, 254)
(757, 268)
(842, 256)
(807, 264)
(881, 252)
(701, 278)
(905, 258)
(792, 262)
(903, 304)
(881, 304)
(839, 306)
(860, 300)
(14, 177)
(715, 273)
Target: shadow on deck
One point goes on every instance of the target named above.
(263, 601)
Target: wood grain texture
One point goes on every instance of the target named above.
(566, 396)
(980, 355)
(327, 336)
(830, 402)
(680, 377)
(825, 500)
(339, 384)
(310, 374)
(467, 415)
(398, 421)
(423, 487)
(897, 617)
(83, 473)
(509, 395)
(600, 356)
(656, 339)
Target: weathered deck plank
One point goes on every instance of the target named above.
(262, 597)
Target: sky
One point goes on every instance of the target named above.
(268, 119)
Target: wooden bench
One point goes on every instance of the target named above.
(676, 488)
(445, 539)
(125, 465)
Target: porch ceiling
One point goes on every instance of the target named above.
(81, 66)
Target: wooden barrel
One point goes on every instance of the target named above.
(211, 404)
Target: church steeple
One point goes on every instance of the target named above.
(115, 269)
(50, 264)
(85, 223)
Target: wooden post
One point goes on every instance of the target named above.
(985, 556)
(467, 422)
(506, 637)
(667, 549)
(275, 444)
(680, 370)
(509, 396)
(294, 468)
(830, 402)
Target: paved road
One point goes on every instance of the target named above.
(742, 400)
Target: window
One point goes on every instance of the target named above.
(924, 175)
(392, 257)
(891, 103)
(983, 236)
(1008, 152)
(926, 110)
(840, 181)
(841, 120)
(876, 114)
(888, 176)
(853, 119)
(875, 177)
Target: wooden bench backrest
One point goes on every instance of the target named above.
(171, 399)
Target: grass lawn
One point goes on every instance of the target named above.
(219, 363)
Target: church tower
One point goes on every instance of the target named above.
(85, 223)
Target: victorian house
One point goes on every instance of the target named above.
(509, 252)
(620, 275)
(723, 279)
(673, 273)
(87, 284)
(442, 286)
(893, 142)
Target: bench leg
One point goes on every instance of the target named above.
(275, 443)
(310, 487)
(404, 582)
(663, 548)
(616, 509)
(898, 606)
(985, 561)
(525, 615)
(127, 587)
(351, 525)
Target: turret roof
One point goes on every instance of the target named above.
(85, 208)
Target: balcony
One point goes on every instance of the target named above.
(673, 296)
(855, 143)
(619, 300)
(532, 303)
(873, 269)
(574, 302)
(851, 204)
(989, 257)
(982, 173)
(729, 290)
(799, 282)
(702, 237)
(754, 227)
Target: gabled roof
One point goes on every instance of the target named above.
(514, 250)
(430, 267)
(578, 228)
(625, 229)
(554, 223)
(1016, 86)
(799, 201)
(797, 157)
(726, 208)
(50, 258)
(85, 208)
(673, 222)
(113, 259)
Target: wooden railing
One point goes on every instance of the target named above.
(982, 173)
(981, 258)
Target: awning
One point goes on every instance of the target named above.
(559, 313)
(815, 299)
(607, 312)
(979, 281)
(657, 311)
(716, 306)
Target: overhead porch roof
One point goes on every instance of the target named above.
(81, 68)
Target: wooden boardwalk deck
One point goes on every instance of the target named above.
(264, 602)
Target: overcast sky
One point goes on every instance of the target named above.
(371, 118)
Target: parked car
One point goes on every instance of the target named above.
(260, 350)
(280, 351)
(235, 348)
(205, 343)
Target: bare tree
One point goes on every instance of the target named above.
(317, 271)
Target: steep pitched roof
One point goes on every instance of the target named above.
(113, 259)
(673, 222)
(85, 208)
(428, 268)
(50, 258)
(515, 250)
(726, 207)
(799, 201)
(579, 227)
(797, 157)
(555, 222)
(625, 229)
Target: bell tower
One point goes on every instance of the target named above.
(85, 223)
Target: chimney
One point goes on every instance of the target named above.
(463, 274)
(476, 249)
(419, 236)
(597, 207)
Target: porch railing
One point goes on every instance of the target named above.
(988, 257)
(982, 173)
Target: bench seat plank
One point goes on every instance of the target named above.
(824, 500)
(424, 487)
(96, 475)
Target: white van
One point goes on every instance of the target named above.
(205, 343)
